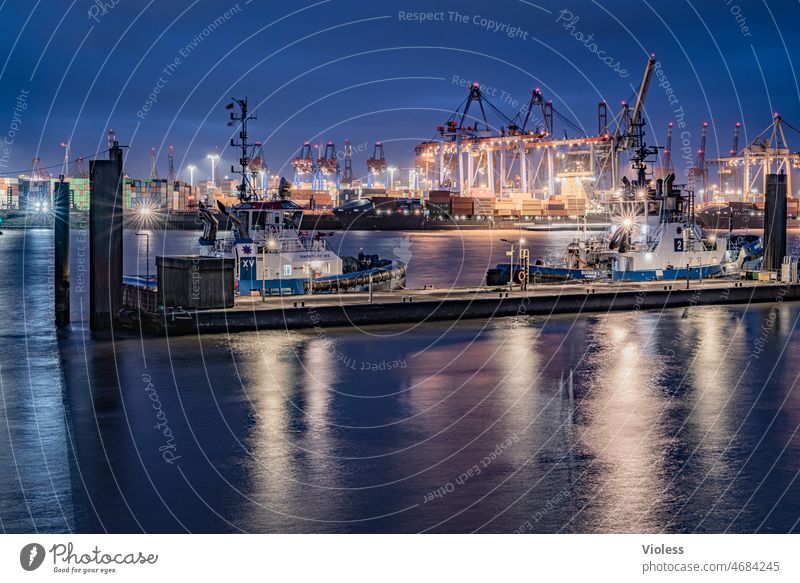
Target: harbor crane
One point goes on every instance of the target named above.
(729, 175)
(65, 165)
(347, 174)
(79, 168)
(258, 167)
(768, 153)
(153, 165)
(112, 141)
(303, 164)
(171, 164)
(37, 169)
(698, 174)
(376, 166)
(328, 166)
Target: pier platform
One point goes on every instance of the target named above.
(420, 305)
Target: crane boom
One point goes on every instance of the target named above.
(640, 97)
(631, 134)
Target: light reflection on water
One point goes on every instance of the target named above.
(673, 422)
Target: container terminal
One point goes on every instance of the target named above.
(481, 169)
(264, 261)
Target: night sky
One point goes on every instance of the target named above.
(372, 71)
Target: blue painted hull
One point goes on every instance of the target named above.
(699, 272)
(545, 273)
(383, 277)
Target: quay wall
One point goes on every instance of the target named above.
(484, 305)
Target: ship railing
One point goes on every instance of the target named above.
(302, 244)
(223, 245)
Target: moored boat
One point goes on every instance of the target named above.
(651, 238)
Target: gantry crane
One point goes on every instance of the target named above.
(303, 164)
(698, 174)
(347, 174)
(376, 165)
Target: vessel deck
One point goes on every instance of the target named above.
(420, 305)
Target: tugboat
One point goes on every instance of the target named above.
(654, 237)
(273, 256)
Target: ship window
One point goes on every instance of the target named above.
(292, 219)
(326, 267)
(287, 269)
(259, 219)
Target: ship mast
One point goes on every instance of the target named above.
(247, 191)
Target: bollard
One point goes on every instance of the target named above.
(105, 239)
(61, 252)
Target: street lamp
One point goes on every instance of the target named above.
(391, 170)
(147, 242)
(511, 269)
(191, 174)
(213, 158)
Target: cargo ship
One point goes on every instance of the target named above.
(731, 216)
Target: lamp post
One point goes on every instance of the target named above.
(213, 158)
(191, 170)
(391, 170)
(511, 269)
(147, 243)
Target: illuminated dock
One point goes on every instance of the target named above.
(427, 305)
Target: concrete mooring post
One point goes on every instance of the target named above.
(105, 239)
(774, 222)
(61, 252)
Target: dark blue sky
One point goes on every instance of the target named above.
(364, 71)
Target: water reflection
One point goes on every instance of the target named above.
(675, 421)
(623, 432)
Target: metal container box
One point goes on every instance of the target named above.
(201, 283)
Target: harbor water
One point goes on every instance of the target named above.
(684, 420)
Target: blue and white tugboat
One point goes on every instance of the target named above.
(273, 256)
(653, 236)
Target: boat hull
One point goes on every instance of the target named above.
(542, 273)
(389, 278)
